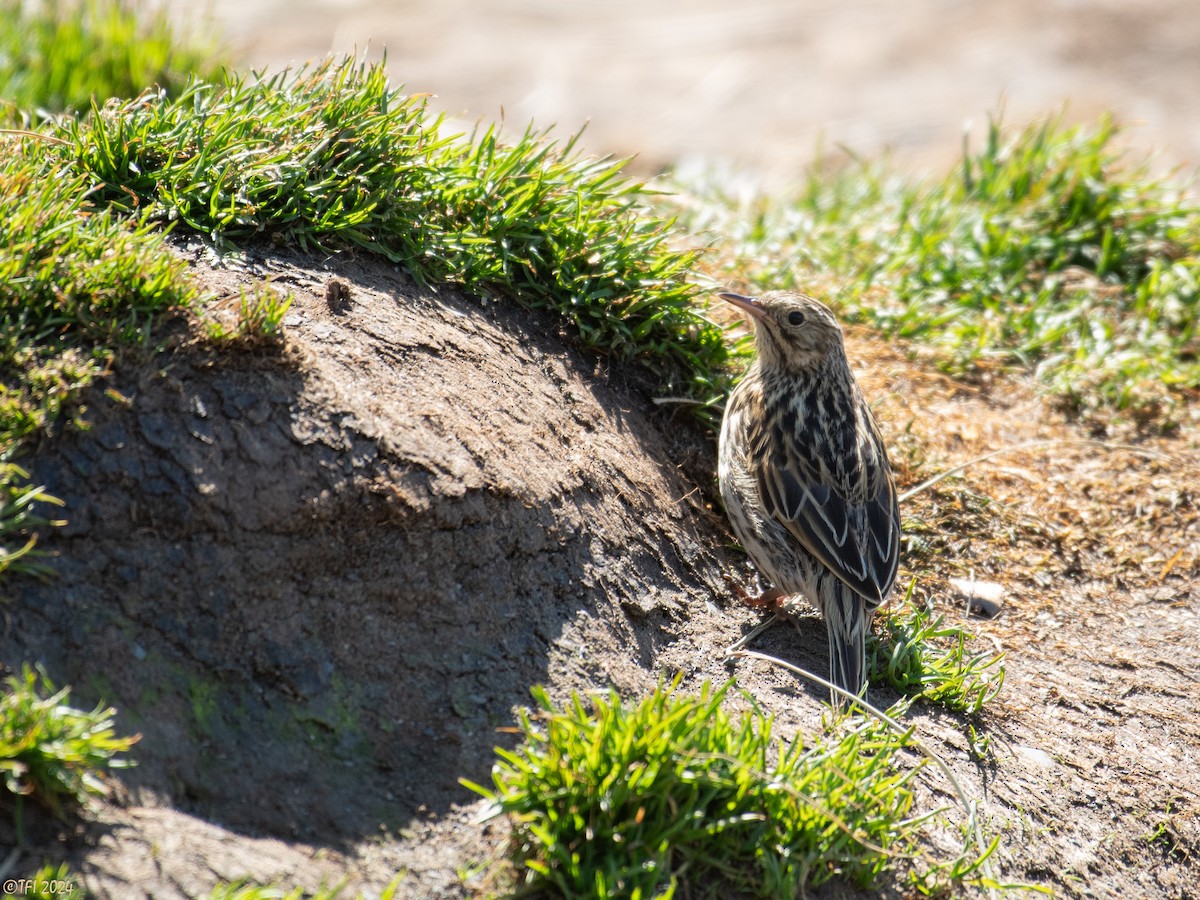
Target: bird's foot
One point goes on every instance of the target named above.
(770, 601)
(767, 600)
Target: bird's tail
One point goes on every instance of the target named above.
(846, 620)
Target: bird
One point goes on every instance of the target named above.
(805, 478)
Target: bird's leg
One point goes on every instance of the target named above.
(754, 632)
(767, 600)
(770, 600)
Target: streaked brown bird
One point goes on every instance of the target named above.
(805, 476)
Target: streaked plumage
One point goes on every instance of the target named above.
(805, 477)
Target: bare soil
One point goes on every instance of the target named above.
(319, 578)
(764, 85)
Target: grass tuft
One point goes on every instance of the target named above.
(75, 282)
(254, 317)
(19, 521)
(51, 752)
(671, 795)
(916, 653)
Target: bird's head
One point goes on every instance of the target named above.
(792, 331)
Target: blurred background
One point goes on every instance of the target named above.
(761, 84)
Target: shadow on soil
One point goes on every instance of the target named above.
(318, 578)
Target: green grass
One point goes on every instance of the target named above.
(919, 655)
(50, 752)
(49, 882)
(20, 521)
(1044, 250)
(671, 796)
(63, 54)
(247, 890)
(255, 319)
(76, 284)
(333, 157)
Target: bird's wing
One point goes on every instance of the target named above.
(846, 515)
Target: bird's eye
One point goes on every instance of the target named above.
(795, 317)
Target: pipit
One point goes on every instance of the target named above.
(805, 476)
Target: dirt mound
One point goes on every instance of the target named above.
(317, 579)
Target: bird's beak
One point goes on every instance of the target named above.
(748, 305)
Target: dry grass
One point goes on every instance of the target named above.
(1073, 516)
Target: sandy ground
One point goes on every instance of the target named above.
(761, 83)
